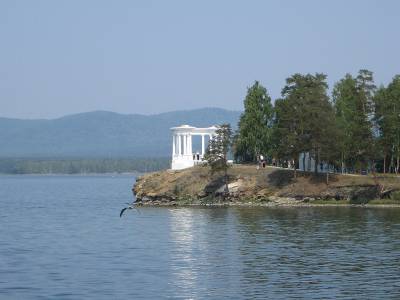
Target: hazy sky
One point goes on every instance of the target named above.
(62, 57)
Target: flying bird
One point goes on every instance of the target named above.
(131, 206)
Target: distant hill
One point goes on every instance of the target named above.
(102, 134)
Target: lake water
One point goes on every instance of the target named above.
(61, 237)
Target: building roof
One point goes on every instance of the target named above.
(191, 129)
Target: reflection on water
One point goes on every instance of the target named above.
(61, 237)
(181, 235)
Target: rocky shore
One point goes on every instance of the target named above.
(264, 187)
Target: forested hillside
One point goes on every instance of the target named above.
(102, 134)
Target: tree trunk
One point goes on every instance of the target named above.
(226, 174)
(384, 163)
(304, 163)
(295, 169)
(376, 180)
(391, 167)
(342, 162)
(327, 178)
(315, 162)
(398, 164)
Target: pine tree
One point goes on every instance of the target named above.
(287, 131)
(354, 110)
(254, 133)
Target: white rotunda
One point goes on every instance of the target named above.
(183, 155)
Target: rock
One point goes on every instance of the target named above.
(281, 200)
(201, 194)
(355, 192)
(233, 187)
(308, 199)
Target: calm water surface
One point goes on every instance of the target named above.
(61, 238)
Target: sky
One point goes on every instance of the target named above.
(148, 57)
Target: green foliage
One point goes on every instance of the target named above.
(254, 129)
(217, 151)
(286, 131)
(387, 118)
(354, 107)
(359, 201)
(177, 190)
(395, 196)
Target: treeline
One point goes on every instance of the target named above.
(82, 166)
(356, 129)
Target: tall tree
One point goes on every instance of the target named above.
(354, 109)
(217, 151)
(254, 132)
(387, 118)
(344, 98)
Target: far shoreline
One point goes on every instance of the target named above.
(75, 174)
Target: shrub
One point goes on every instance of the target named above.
(177, 190)
(359, 200)
(395, 195)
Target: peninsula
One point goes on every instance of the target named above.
(305, 148)
(268, 186)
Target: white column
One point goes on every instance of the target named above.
(179, 144)
(202, 144)
(190, 145)
(176, 144)
(173, 145)
(182, 144)
(185, 144)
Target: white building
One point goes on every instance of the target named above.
(307, 164)
(183, 154)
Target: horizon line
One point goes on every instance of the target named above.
(118, 113)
